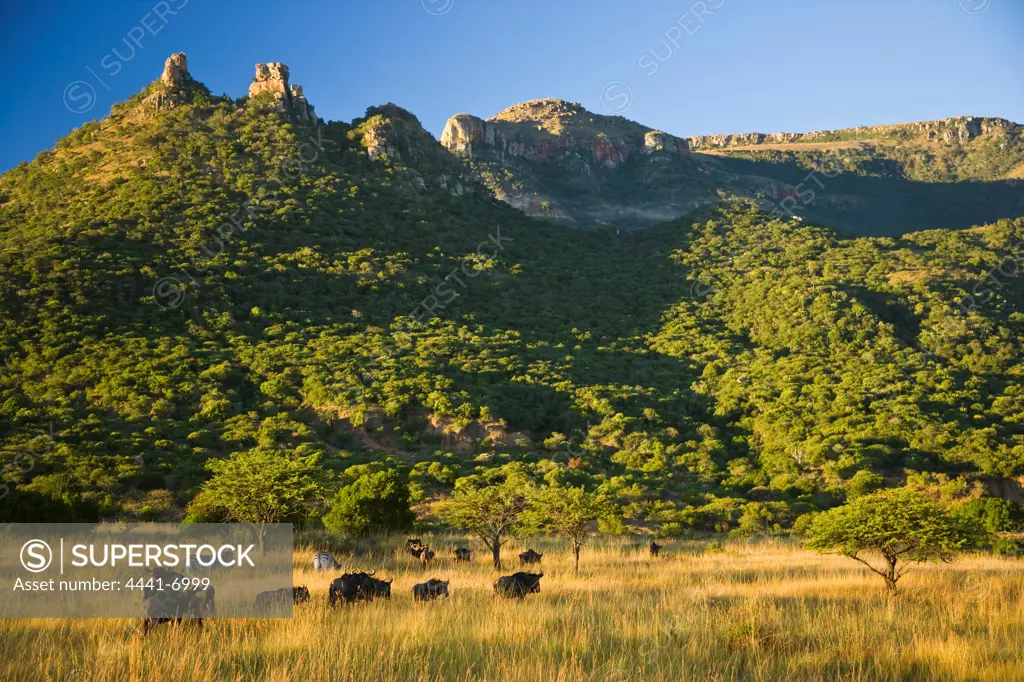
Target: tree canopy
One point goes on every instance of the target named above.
(903, 526)
(494, 513)
(260, 487)
(374, 502)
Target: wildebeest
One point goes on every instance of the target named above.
(426, 555)
(416, 551)
(272, 598)
(530, 557)
(518, 585)
(413, 542)
(430, 590)
(163, 604)
(654, 548)
(324, 561)
(205, 602)
(353, 586)
(462, 554)
(380, 588)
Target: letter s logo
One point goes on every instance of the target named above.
(36, 556)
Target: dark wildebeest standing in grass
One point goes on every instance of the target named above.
(430, 590)
(518, 585)
(426, 556)
(169, 604)
(380, 588)
(300, 594)
(352, 586)
(206, 602)
(530, 557)
(654, 548)
(462, 554)
(273, 598)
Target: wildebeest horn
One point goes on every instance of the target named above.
(372, 571)
(541, 574)
(389, 581)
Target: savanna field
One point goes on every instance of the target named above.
(704, 610)
(792, 358)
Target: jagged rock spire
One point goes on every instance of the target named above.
(273, 77)
(175, 70)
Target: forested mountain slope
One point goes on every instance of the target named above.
(194, 276)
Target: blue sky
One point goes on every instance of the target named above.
(687, 67)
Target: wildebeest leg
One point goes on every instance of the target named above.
(145, 626)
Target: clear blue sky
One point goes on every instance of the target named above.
(792, 65)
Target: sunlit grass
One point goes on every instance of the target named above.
(766, 611)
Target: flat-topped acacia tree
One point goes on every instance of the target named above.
(903, 526)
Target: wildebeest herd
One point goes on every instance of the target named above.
(362, 586)
(198, 603)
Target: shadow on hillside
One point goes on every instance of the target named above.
(879, 205)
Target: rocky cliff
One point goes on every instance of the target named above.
(956, 131)
(552, 158)
(539, 129)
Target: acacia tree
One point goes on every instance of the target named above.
(493, 513)
(903, 526)
(570, 512)
(260, 487)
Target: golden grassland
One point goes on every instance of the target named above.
(743, 611)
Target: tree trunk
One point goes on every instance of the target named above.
(496, 553)
(890, 576)
(576, 553)
(261, 536)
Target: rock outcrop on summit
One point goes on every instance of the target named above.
(272, 77)
(540, 129)
(519, 149)
(176, 84)
(175, 71)
(393, 135)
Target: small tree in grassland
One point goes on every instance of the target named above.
(493, 513)
(570, 512)
(902, 526)
(260, 487)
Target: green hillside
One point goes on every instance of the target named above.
(194, 276)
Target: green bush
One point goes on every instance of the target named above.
(993, 514)
(373, 503)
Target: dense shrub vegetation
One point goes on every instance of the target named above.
(188, 285)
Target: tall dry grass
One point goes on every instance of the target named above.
(767, 611)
